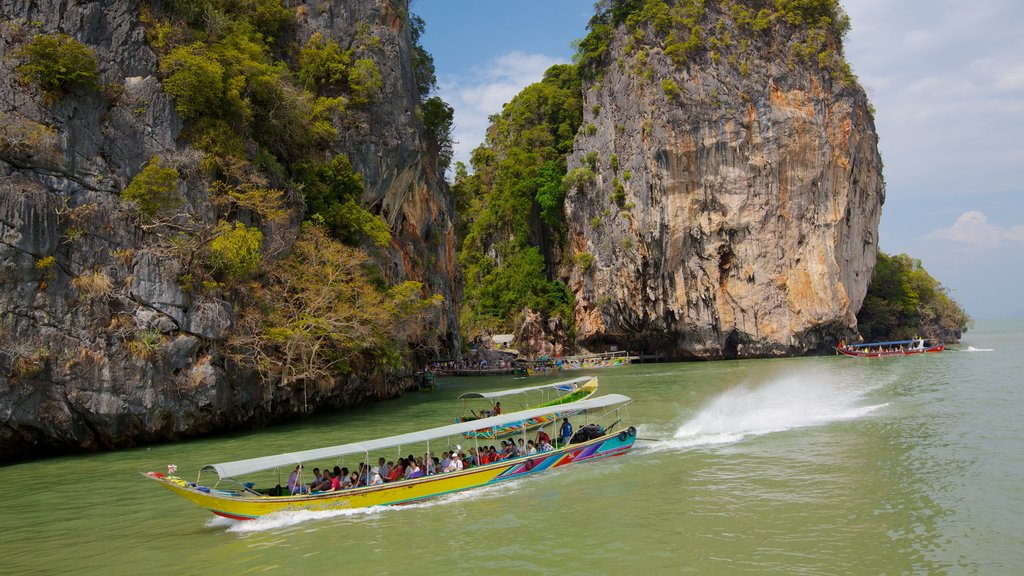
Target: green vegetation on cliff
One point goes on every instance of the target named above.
(58, 64)
(684, 32)
(904, 301)
(266, 109)
(259, 117)
(515, 203)
(323, 312)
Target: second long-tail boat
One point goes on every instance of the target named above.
(543, 396)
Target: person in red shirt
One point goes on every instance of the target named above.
(542, 437)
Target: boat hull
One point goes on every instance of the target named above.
(242, 506)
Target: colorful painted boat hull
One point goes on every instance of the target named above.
(241, 506)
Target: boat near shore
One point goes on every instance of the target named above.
(891, 348)
(543, 396)
(601, 433)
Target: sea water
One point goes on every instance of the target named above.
(827, 465)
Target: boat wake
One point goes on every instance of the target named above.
(786, 403)
(283, 520)
(973, 349)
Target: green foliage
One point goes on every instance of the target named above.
(422, 61)
(684, 32)
(579, 177)
(583, 260)
(58, 64)
(550, 194)
(45, 263)
(619, 196)
(904, 301)
(234, 251)
(322, 314)
(670, 88)
(364, 80)
(322, 64)
(518, 190)
(438, 118)
(332, 195)
(154, 189)
(519, 280)
(195, 79)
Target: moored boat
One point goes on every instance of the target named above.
(891, 348)
(565, 392)
(242, 501)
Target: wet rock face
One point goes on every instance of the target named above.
(747, 211)
(100, 346)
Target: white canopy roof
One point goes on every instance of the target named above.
(290, 459)
(563, 384)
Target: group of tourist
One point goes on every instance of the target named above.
(409, 468)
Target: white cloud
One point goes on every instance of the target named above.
(482, 92)
(973, 229)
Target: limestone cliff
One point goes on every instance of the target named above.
(726, 189)
(83, 281)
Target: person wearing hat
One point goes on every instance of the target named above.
(375, 476)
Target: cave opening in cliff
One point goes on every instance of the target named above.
(730, 349)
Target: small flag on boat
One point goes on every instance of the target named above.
(171, 468)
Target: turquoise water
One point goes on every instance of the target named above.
(823, 465)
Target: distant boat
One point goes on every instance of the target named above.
(891, 348)
(530, 397)
(242, 501)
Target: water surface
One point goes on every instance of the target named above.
(826, 465)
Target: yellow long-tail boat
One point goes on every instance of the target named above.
(566, 391)
(602, 436)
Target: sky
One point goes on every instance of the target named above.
(946, 78)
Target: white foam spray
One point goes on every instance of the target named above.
(284, 520)
(784, 403)
(973, 349)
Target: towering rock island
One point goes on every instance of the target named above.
(156, 160)
(726, 185)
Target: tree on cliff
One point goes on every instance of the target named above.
(904, 301)
(324, 311)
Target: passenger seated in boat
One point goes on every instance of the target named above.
(295, 485)
(531, 448)
(384, 468)
(375, 478)
(397, 471)
(335, 481)
(545, 447)
(413, 471)
(445, 462)
(497, 409)
(323, 484)
(521, 449)
(317, 480)
(542, 436)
